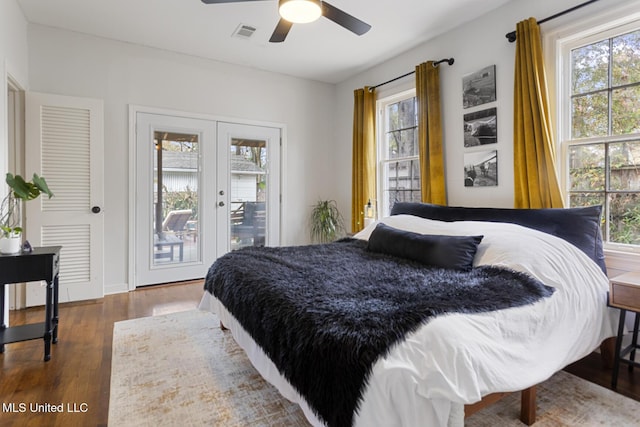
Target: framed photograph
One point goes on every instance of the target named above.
(481, 169)
(481, 128)
(480, 87)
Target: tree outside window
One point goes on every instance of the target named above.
(604, 145)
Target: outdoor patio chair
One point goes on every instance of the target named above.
(176, 221)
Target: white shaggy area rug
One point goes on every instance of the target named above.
(181, 369)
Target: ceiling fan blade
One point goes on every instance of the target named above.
(225, 1)
(281, 31)
(345, 20)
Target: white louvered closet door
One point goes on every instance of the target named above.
(65, 144)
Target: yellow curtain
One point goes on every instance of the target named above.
(430, 134)
(364, 155)
(535, 179)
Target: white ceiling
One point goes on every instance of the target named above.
(321, 50)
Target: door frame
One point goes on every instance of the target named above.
(13, 93)
(15, 148)
(133, 111)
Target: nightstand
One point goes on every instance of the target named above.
(40, 264)
(624, 293)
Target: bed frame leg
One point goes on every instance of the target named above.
(224, 328)
(528, 406)
(608, 352)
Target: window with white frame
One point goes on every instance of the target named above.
(600, 128)
(398, 164)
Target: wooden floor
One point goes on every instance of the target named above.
(78, 374)
(79, 371)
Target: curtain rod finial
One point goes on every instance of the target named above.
(449, 61)
(511, 36)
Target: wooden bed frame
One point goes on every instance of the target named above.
(528, 396)
(527, 404)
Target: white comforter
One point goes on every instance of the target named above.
(458, 358)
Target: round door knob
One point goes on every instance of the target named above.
(220, 204)
(95, 209)
(221, 192)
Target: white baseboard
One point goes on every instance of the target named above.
(118, 288)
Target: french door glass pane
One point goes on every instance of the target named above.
(248, 192)
(175, 198)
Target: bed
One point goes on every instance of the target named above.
(452, 357)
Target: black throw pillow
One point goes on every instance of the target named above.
(455, 252)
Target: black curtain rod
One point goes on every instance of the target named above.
(512, 35)
(449, 61)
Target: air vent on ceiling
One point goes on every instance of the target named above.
(244, 31)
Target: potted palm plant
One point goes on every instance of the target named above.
(10, 209)
(326, 222)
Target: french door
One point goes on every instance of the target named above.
(202, 188)
(248, 196)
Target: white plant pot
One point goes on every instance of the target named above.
(10, 245)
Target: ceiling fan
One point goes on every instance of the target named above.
(303, 11)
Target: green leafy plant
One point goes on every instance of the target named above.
(20, 190)
(326, 222)
(28, 190)
(176, 200)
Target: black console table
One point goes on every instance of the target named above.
(41, 264)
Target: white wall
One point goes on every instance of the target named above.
(474, 46)
(13, 40)
(13, 63)
(74, 64)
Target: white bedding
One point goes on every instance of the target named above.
(458, 358)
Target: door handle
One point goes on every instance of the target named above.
(220, 204)
(95, 209)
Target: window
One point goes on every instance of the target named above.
(601, 129)
(398, 165)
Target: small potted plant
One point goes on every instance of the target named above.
(10, 218)
(326, 222)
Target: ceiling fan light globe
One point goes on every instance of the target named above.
(300, 11)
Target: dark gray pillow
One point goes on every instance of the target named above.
(455, 252)
(578, 226)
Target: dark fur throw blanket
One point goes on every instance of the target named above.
(325, 313)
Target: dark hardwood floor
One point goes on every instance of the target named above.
(78, 374)
(591, 368)
(79, 371)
